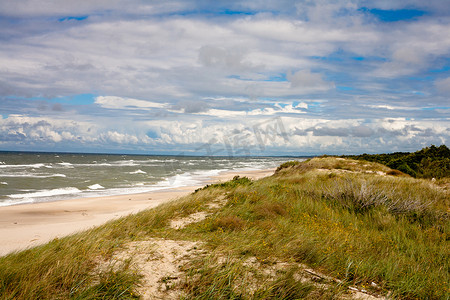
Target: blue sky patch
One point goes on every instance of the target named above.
(277, 78)
(79, 18)
(152, 134)
(344, 88)
(441, 70)
(395, 15)
(235, 12)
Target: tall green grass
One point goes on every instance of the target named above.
(384, 234)
(360, 228)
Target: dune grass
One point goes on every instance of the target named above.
(382, 234)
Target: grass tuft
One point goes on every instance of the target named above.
(229, 223)
(285, 287)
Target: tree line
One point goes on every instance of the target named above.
(429, 162)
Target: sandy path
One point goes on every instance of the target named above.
(29, 225)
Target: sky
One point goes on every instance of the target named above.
(228, 78)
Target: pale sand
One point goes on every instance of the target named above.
(28, 225)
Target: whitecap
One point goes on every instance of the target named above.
(65, 164)
(30, 175)
(46, 193)
(57, 175)
(34, 166)
(95, 186)
(125, 163)
(37, 166)
(5, 183)
(138, 172)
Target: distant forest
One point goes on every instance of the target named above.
(430, 162)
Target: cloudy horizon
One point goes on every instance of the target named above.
(208, 78)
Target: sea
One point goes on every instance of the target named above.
(27, 177)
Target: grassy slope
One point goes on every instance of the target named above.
(336, 216)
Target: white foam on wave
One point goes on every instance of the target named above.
(57, 175)
(125, 163)
(47, 193)
(95, 187)
(93, 164)
(4, 183)
(138, 172)
(180, 180)
(31, 175)
(65, 164)
(210, 173)
(191, 178)
(14, 202)
(34, 166)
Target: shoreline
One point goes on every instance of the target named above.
(28, 225)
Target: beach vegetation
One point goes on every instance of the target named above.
(319, 229)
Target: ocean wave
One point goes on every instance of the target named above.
(190, 178)
(66, 164)
(138, 172)
(94, 164)
(125, 163)
(46, 193)
(91, 172)
(14, 202)
(95, 187)
(34, 166)
(4, 183)
(31, 175)
(57, 175)
(98, 165)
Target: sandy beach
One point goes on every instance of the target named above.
(28, 225)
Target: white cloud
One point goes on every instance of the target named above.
(22, 129)
(119, 138)
(154, 64)
(56, 8)
(114, 102)
(413, 47)
(265, 111)
(391, 107)
(288, 133)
